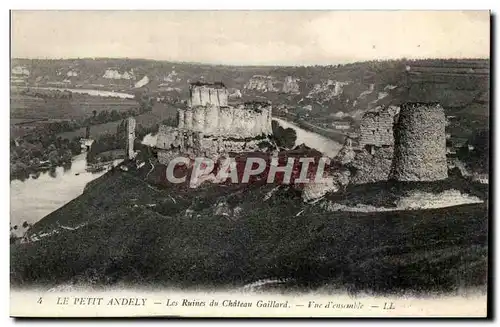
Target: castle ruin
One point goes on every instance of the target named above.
(130, 137)
(210, 127)
(203, 94)
(420, 143)
(376, 129)
(406, 143)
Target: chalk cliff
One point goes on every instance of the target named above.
(291, 85)
(327, 90)
(115, 74)
(142, 82)
(20, 70)
(262, 83)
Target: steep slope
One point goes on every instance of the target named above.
(132, 232)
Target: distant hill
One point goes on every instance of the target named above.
(460, 85)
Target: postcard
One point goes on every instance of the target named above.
(249, 163)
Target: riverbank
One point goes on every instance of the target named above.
(334, 135)
(92, 92)
(313, 140)
(35, 198)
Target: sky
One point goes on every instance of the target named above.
(251, 37)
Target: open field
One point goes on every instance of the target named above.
(80, 106)
(146, 120)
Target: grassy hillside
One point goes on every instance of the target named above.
(137, 233)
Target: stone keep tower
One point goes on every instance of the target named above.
(420, 143)
(204, 94)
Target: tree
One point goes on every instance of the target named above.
(114, 116)
(54, 158)
(476, 159)
(284, 138)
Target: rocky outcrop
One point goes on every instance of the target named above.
(364, 94)
(327, 90)
(171, 77)
(235, 94)
(313, 191)
(346, 154)
(20, 70)
(335, 180)
(291, 85)
(142, 82)
(262, 83)
(115, 74)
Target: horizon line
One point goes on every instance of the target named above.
(252, 65)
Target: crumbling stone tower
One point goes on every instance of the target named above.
(420, 143)
(203, 94)
(130, 137)
(208, 126)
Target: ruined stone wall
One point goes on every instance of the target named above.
(376, 127)
(371, 168)
(208, 127)
(243, 122)
(203, 95)
(420, 143)
(130, 137)
(199, 117)
(173, 141)
(235, 122)
(188, 119)
(213, 147)
(180, 118)
(164, 156)
(211, 120)
(168, 137)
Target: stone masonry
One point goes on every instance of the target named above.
(377, 127)
(420, 143)
(209, 127)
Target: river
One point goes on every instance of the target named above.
(323, 144)
(91, 92)
(33, 199)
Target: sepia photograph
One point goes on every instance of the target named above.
(278, 163)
